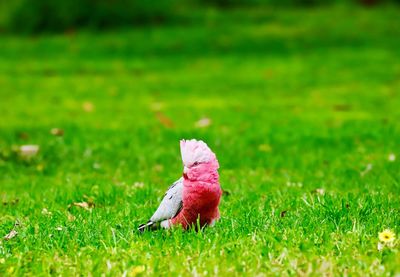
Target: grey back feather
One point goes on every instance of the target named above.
(171, 203)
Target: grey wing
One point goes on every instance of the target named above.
(171, 203)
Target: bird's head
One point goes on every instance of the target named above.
(197, 157)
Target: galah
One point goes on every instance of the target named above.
(194, 198)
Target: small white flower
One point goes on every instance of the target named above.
(380, 246)
(59, 228)
(387, 236)
(392, 157)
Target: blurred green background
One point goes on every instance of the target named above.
(65, 15)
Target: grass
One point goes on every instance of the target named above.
(304, 114)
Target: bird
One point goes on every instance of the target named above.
(192, 200)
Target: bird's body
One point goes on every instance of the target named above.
(200, 201)
(194, 198)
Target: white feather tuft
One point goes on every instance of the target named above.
(195, 151)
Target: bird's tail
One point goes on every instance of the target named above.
(149, 225)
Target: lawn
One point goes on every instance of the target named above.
(300, 106)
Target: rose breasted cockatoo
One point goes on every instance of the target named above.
(195, 196)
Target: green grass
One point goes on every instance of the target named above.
(298, 101)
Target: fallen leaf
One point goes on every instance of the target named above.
(28, 151)
(12, 202)
(283, 213)
(203, 122)
(226, 192)
(88, 106)
(57, 132)
(164, 120)
(10, 235)
(89, 200)
(23, 135)
(83, 205)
